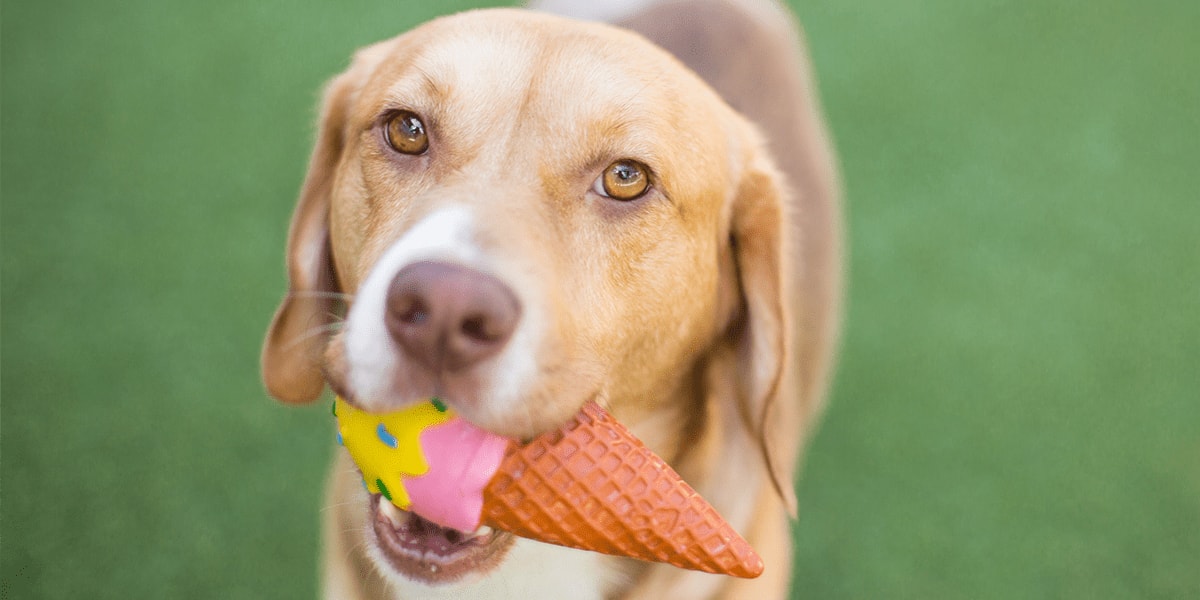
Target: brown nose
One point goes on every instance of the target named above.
(448, 317)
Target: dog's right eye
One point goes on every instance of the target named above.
(405, 133)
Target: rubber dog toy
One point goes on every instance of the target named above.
(590, 485)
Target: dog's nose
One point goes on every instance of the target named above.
(448, 317)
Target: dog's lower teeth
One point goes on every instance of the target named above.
(402, 520)
(390, 512)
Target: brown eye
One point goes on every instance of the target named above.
(406, 133)
(623, 180)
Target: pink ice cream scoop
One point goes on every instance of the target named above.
(462, 460)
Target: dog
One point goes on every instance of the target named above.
(520, 212)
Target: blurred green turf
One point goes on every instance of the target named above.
(1017, 414)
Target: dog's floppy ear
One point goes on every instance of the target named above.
(291, 355)
(760, 234)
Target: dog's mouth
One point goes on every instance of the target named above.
(427, 552)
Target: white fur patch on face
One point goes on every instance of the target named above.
(531, 571)
(372, 356)
(511, 373)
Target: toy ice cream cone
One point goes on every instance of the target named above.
(590, 485)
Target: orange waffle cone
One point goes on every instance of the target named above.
(592, 485)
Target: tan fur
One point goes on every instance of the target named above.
(703, 315)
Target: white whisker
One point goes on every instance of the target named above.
(321, 295)
(313, 332)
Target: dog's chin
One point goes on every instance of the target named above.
(424, 552)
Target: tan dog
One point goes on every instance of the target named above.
(520, 213)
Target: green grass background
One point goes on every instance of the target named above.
(1017, 413)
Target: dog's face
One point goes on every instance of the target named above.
(524, 214)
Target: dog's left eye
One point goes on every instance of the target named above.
(405, 133)
(623, 180)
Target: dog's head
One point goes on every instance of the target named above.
(520, 213)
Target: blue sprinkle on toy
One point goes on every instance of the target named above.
(388, 439)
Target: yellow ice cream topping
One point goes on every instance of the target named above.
(387, 447)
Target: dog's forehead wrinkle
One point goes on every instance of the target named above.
(482, 73)
(414, 89)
